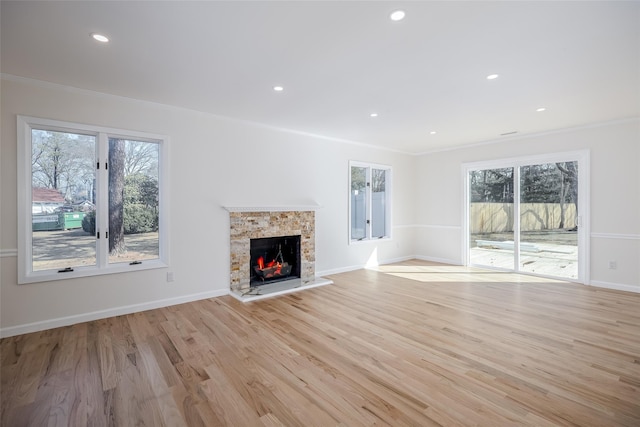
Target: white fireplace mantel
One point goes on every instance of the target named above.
(279, 208)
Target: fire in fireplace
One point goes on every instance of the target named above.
(274, 259)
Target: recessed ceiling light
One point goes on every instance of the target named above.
(492, 76)
(433, 132)
(397, 15)
(278, 88)
(373, 115)
(541, 109)
(100, 37)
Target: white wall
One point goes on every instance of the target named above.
(217, 162)
(213, 162)
(615, 195)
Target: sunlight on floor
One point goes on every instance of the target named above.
(453, 273)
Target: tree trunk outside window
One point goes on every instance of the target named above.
(116, 196)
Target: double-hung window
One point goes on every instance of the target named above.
(91, 200)
(369, 201)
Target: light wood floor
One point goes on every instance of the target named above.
(411, 344)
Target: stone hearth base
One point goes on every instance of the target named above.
(279, 288)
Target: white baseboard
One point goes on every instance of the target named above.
(361, 266)
(616, 286)
(339, 270)
(440, 260)
(399, 259)
(102, 314)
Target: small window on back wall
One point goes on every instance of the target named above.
(90, 201)
(369, 201)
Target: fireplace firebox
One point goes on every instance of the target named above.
(274, 259)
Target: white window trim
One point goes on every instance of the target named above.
(388, 203)
(583, 157)
(25, 124)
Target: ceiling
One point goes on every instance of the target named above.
(341, 61)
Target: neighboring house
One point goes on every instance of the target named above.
(45, 200)
(85, 206)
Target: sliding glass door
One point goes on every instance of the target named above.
(528, 215)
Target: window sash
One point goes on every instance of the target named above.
(63, 165)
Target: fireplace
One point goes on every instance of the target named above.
(274, 259)
(247, 224)
(280, 235)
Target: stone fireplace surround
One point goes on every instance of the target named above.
(246, 223)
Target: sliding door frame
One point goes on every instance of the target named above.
(584, 203)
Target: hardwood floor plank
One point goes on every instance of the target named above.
(226, 402)
(125, 399)
(82, 381)
(270, 420)
(170, 410)
(88, 381)
(187, 404)
(61, 400)
(107, 361)
(414, 343)
(31, 369)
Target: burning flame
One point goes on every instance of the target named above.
(271, 264)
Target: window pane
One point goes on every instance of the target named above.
(378, 203)
(63, 178)
(358, 204)
(133, 201)
(491, 217)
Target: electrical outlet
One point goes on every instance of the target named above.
(613, 265)
(169, 276)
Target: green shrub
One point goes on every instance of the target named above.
(89, 222)
(139, 219)
(140, 204)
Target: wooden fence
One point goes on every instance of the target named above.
(498, 217)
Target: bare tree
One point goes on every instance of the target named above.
(49, 162)
(378, 180)
(568, 187)
(62, 161)
(492, 185)
(141, 157)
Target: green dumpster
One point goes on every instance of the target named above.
(72, 220)
(46, 222)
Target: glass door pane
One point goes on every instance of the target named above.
(548, 212)
(491, 241)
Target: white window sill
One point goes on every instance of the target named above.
(52, 275)
(365, 241)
